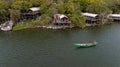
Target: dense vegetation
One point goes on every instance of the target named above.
(10, 9)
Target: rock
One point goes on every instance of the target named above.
(7, 26)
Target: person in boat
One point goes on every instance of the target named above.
(94, 42)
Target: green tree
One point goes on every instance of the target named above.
(114, 5)
(98, 6)
(36, 3)
(21, 5)
(15, 15)
(77, 20)
(4, 11)
(82, 4)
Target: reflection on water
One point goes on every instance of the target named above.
(54, 48)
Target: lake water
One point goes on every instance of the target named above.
(55, 48)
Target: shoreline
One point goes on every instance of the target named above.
(53, 27)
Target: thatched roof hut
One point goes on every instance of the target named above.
(61, 19)
(114, 17)
(31, 13)
(92, 17)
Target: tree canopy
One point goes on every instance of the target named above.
(71, 8)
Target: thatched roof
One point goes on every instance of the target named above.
(114, 15)
(90, 15)
(34, 9)
(60, 16)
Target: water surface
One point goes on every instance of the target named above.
(54, 48)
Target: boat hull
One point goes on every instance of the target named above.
(85, 45)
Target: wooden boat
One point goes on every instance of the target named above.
(85, 45)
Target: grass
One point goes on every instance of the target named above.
(25, 24)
